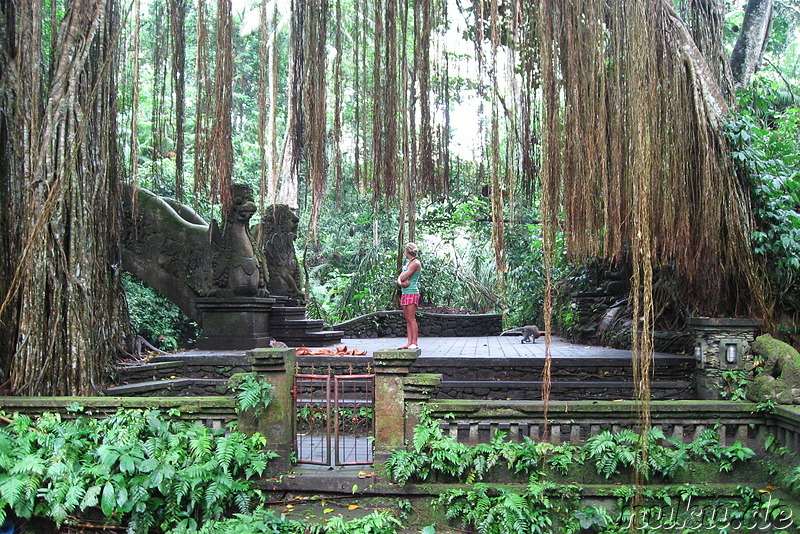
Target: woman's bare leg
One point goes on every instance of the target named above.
(412, 328)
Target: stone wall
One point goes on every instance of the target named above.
(393, 324)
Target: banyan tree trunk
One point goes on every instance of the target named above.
(58, 198)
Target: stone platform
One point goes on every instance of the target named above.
(489, 367)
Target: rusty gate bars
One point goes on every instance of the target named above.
(309, 404)
(354, 417)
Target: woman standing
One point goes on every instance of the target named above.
(409, 300)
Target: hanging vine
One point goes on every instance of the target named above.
(422, 66)
(337, 107)
(135, 83)
(263, 107)
(202, 138)
(178, 33)
(314, 103)
(221, 157)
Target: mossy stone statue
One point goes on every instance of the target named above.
(779, 380)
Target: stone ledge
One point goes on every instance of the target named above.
(392, 323)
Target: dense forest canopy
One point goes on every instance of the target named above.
(513, 140)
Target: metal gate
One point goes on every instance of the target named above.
(334, 419)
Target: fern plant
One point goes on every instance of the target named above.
(609, 452)
(134, 466)
(612, 451)
(499, 511)
(253, 395)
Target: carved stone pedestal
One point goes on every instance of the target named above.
(721, 344)
(234, 323)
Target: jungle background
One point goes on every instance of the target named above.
(381, 122)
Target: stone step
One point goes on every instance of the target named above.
(147, 371)
(321, 338)
(177, 387)
(287, 312)
(297, 325)
(560, 390)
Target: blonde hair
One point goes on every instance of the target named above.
(412, 249)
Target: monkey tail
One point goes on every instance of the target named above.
(512, 330)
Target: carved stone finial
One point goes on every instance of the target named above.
(239, 269)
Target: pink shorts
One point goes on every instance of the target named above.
(407, 300)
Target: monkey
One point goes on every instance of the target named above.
(529, 333)
(275, 344)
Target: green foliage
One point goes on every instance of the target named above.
(259, 521)
(155, 318)
(266, 521)
(613, 452)
(254, 394)
(435, 453)
(352, 268)
(765, 407)
(765, 151)
(498, 511)
(562, 457)
(735, 383)
(610, 453)
(136, 466)
(792, 481)
(378, 522)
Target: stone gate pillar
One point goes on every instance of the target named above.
(277, 367)
(417, 390)
(391, 367)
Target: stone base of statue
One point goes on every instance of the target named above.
(234, 323)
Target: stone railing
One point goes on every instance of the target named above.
(475, 422)
(402, 397)
(393, 324)
(213, 412)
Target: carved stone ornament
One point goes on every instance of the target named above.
(279, 230)
(239, 269)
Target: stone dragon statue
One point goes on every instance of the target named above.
(169, 246)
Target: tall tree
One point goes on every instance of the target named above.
(221, 160)
(58, 145)
(749, 49)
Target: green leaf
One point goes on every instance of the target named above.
(127, 464)
(108, 500)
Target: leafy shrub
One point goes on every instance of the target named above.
(498, 511)
(765, 152)
(266, 521)
(136, 466)
(155, 318)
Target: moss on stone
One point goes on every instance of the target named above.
(779, 380)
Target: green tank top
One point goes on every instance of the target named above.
(413, 282)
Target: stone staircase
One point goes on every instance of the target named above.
(289, 325)
(198, 372)
(192, 373)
